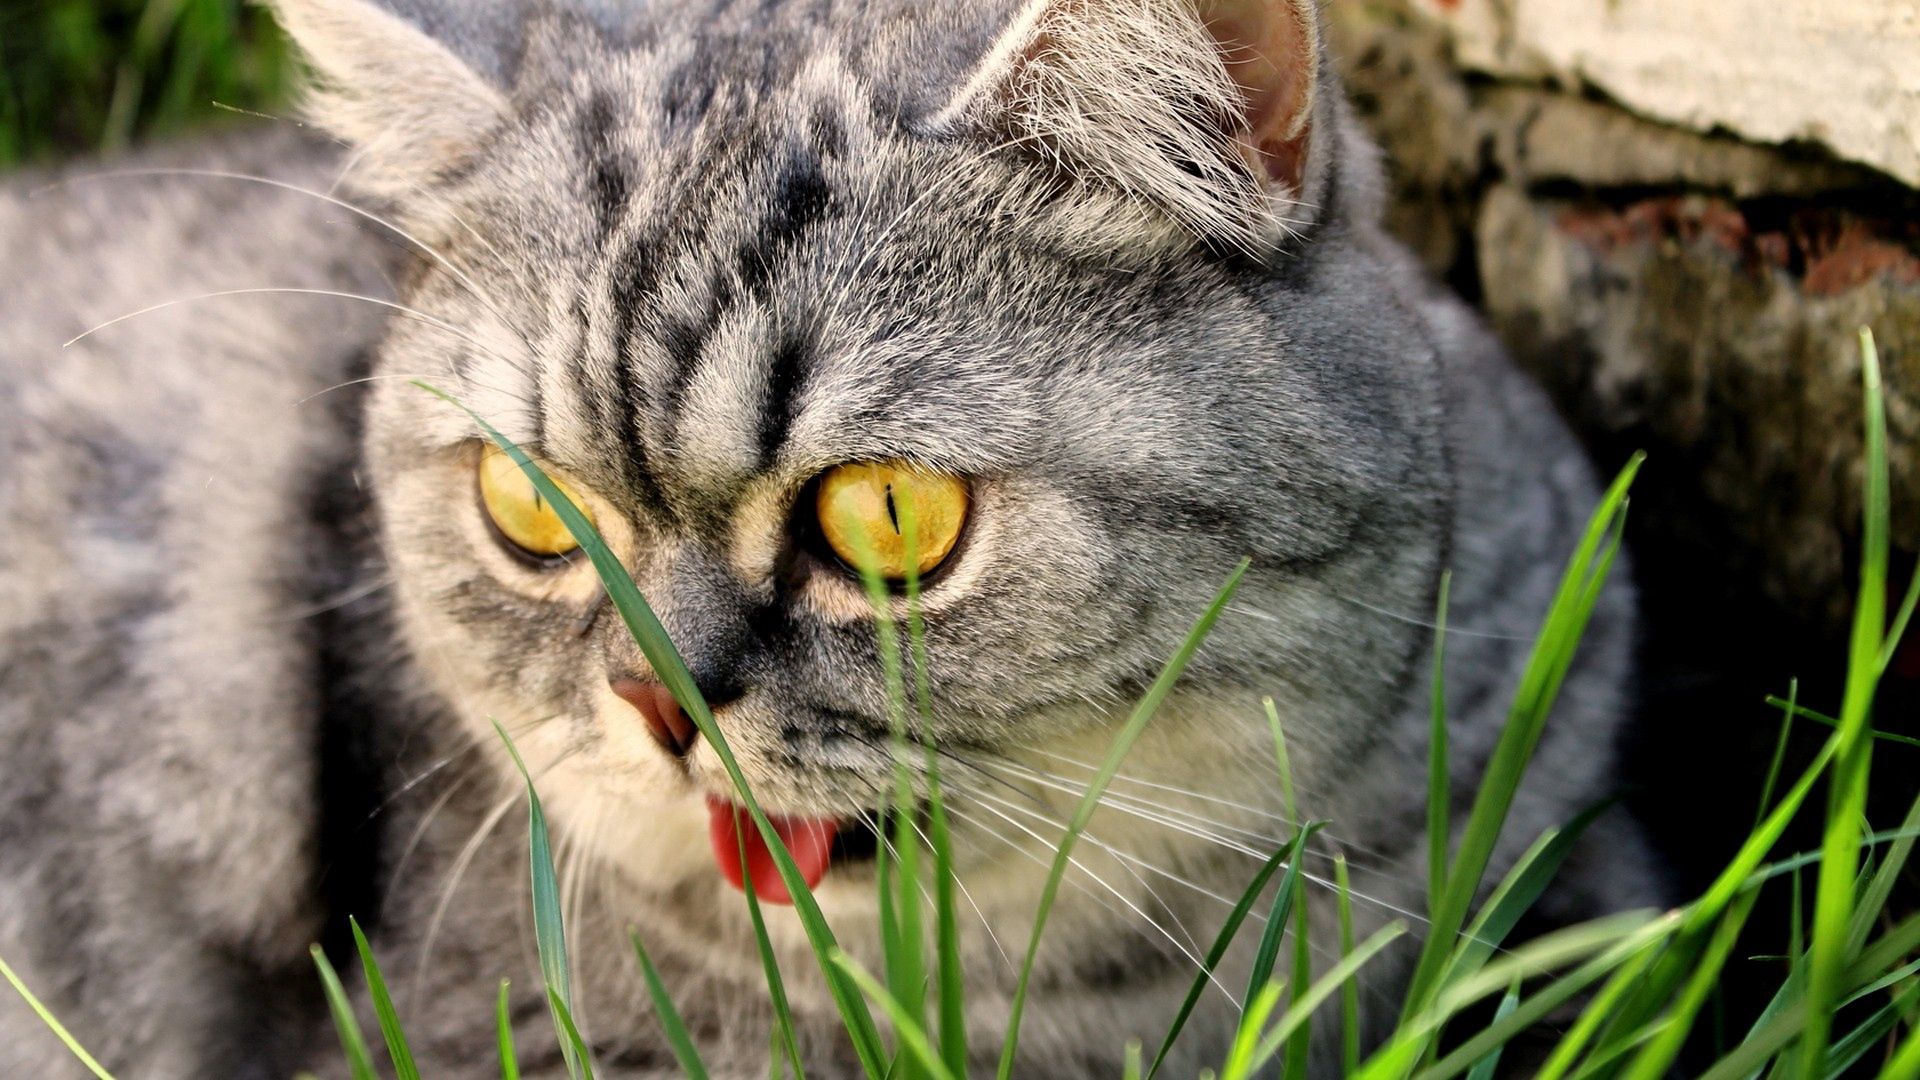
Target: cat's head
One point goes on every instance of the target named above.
(1089, 277)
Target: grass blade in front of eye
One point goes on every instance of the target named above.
(679, 1040)
(503, 1036)
(672, 671)
(897, 870)
(53, 1023)
(949, 977)
(1122, 742)
(359, 1058)
(397, 1051)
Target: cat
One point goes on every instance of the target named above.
(1101, 283)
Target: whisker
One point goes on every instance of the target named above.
(1120, 778)
(217, 174)
(272, 290)
(1129, 857)
(962, 886)
(1412, 620)
(1117, 894)
(459, 869)
(1236, 846)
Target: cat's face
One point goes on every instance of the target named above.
(702, 282)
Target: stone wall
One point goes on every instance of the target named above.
(1678, 213)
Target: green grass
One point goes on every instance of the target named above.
(1637, 984)
(84, 75)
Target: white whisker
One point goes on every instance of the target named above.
(1117, 894)
(217, 174)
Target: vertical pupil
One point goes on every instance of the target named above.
(893, 514)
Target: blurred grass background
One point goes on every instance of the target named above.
(80, 76)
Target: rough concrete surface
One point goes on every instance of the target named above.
(1840, 73)
(1685, 291)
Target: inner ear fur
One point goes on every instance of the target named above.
(1271, 50)
(1203, 109)
(412, 107)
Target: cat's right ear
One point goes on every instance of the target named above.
(1208, 111)
(412, 108)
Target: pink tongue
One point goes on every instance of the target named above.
(808, 840)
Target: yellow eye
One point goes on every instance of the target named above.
(520, 512)
(864, 511)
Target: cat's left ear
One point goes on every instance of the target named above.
(1206, 109)
(411, 105)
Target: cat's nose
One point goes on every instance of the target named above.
(665, 722)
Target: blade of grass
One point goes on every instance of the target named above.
(1350, 993)
(1228, 931)
(570, 1033)
(949, 975)
(1517, 892)
(1284, 899)
(1659, 1055)
(1546, 668)
(1827, 721)
(1779, 752)
(1897, 630)
(53, 1023)
(1789, 1021)
(911, 1033)
(898, 858)
(1246, 1037)
(1439, 784)
(769, 963)
(1828, 950)
(1856, 1044)
(396, 1038)
(1487, 1067)
(1904, 1064)
(549, 935)
(1568, 1050)
(679, 1040)
(1302, 973)
(1873, 899)
(1653, 992)
(503, 1036)
(1302, 1007)
(1410, 1042)
(359, 1059)
(672, 671)
(1122, 742)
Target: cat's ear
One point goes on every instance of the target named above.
(411, 106)
(1206, 109)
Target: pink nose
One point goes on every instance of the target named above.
(665, 722)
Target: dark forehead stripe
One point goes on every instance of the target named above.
(610, 185)
(787, 372)
(800, 198)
